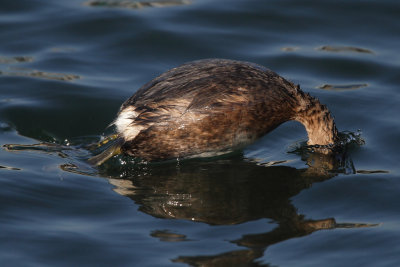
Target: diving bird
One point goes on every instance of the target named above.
(210, 107)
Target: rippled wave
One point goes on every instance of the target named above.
(329, 48)
(136, 4)
(342, 87)
(26, 72)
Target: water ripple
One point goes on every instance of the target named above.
(330, 48)
(40, 74)
(27, 72)
(16, 59)
(136, 4)
(9, 168)
(343, 87)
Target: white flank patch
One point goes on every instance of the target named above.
(125, 125)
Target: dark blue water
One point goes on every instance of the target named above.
(67, 66)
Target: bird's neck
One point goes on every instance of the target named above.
(317, 120)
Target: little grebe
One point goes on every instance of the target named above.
(210, 107)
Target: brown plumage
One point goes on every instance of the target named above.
(213, 106)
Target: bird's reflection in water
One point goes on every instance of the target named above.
(231, 191)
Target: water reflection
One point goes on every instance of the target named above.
(230, 191)
(221, 191)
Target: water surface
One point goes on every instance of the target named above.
(66, 67)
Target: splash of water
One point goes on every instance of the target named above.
(347, 140)
(334, 159)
